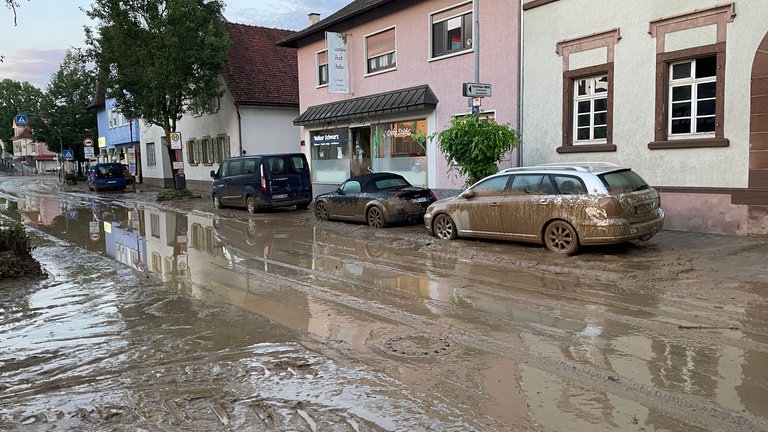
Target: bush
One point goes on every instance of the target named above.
(173, 194)
(474, 145)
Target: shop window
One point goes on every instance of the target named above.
(452, 30)
(380, 51)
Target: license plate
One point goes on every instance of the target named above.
(280, 196)
(645, 208)
(419, 200)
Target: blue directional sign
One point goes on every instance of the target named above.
(68, 154)
(21, 119)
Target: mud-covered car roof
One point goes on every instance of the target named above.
(590, 167)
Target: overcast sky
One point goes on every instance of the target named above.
(34, 48)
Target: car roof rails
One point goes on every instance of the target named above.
(572, 166)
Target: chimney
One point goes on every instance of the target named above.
(314, 18)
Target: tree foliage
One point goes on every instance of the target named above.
(16, 98)
(65, 119)
(474, 145)
(158, 58)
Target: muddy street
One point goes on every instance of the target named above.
(179, 316)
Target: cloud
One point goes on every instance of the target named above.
(33, 65)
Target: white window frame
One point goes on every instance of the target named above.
(692, 82)
(318, 66)
(591, 96)
(390, 55)
(445, 15)
(151, 156)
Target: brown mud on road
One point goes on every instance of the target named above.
(278, 322)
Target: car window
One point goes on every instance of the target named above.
(235, 168)
(351, 186)
(224, 169)
(390, 183)
(532, 184)
(623, 181)
(249, 166)
(298, 164)
(276, 165)
(567, 185)
(492, 186)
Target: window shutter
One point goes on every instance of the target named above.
(453, 12)
(381, 43)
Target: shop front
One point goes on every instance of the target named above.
(370, 134)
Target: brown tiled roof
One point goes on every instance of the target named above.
(351, 10)
(26, 133)
(259, 72)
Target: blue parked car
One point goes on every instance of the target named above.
(108, 175)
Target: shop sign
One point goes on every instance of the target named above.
(338, 71)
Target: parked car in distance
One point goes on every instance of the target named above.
(106, 175)
(262, 182)
(379, 199)
(562, 206)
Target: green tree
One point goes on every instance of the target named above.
(474, 145)
(16, 98)
(158, 58)
(65, 119)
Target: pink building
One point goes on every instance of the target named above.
(377, 78)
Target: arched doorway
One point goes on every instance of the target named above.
(758, 135)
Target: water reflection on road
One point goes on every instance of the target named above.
(447, 344)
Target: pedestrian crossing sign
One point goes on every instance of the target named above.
(68, 154)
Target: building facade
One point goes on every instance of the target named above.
(676, 90)
(403, 65)
(118, 139)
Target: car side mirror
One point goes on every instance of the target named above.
(213, 174)
(339, 191)
(467, 194)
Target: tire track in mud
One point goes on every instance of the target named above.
(679, 405)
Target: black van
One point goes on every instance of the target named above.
(262, 182)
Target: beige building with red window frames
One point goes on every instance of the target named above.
(676, 90)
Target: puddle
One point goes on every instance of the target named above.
(152, 317)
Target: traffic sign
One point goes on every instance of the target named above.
(21, 119)
(175, 141)
(476, 90)
(88, 142)
(68, 154)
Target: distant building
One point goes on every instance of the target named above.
(254, 115)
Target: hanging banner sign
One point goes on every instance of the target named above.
(338, 70)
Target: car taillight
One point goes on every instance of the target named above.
(263, 179)
(433, 196)
(611, 206)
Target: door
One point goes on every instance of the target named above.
(483, 208)
(529, 203)
(360, 162)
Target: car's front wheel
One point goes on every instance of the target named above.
(561, 237)
(321, 211)
(375, 217)
(444, 227)
(250, 202)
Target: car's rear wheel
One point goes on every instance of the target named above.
(375, 217)
(250, 202)
(444, 227)
(217, 202)
(321, 211)
(561, 237)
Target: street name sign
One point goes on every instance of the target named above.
(476, 90)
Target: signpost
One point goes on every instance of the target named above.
(476, 92)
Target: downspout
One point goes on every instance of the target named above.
(521, 89)
(239, 130)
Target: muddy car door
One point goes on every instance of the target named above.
(528, 205)
(344, 201)
(482, 207)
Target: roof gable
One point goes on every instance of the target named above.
(258, 72)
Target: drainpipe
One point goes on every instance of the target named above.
(476, 38)
(521, 90)
(239, 130)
